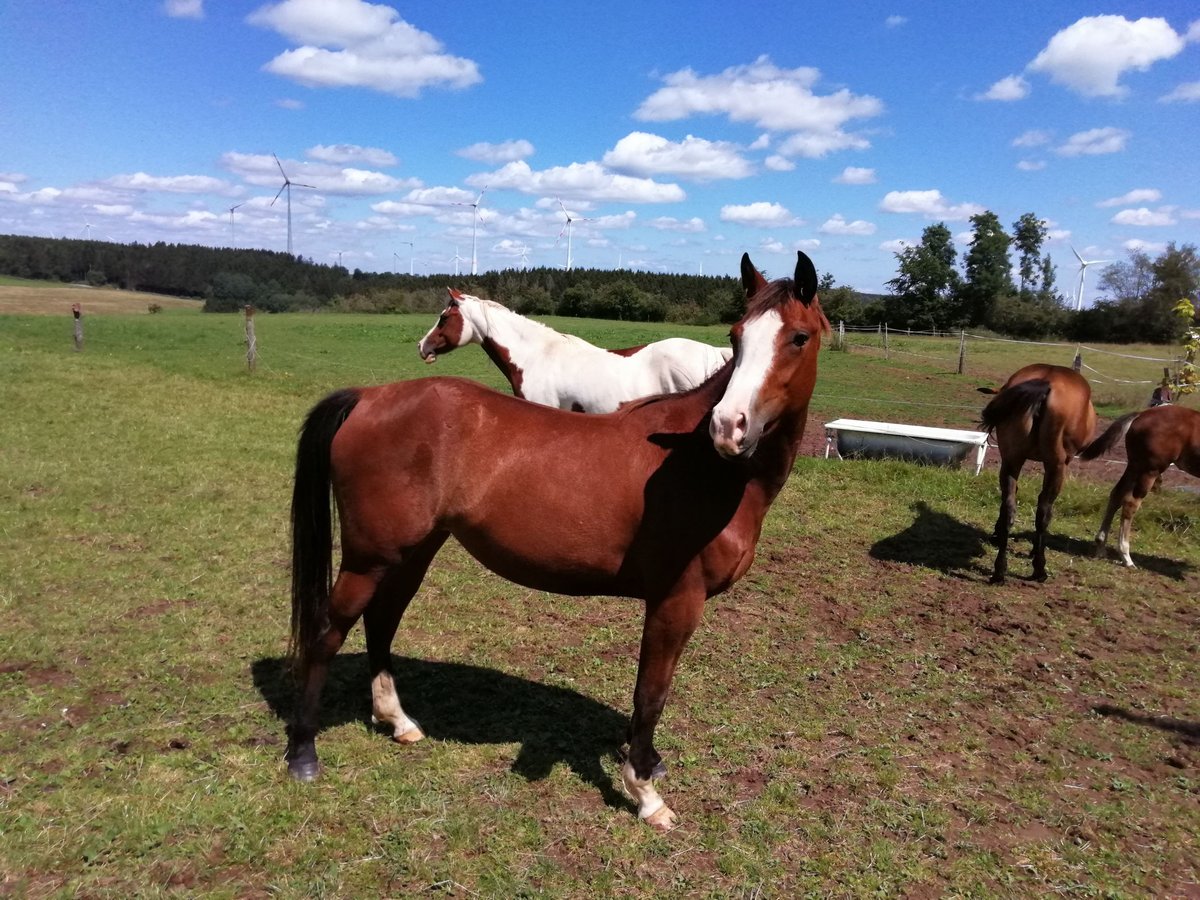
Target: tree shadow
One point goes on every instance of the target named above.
(1188, 731)
(471, 705)
(939, 541)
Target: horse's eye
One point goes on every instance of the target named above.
(441, 320)
(800, 339)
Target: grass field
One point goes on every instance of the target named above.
(862, 715)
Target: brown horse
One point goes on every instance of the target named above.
(661, 501)
(1043, 413)
(1154, 438)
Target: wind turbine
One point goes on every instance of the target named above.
(287, 185)
(232, 239)
(524, 256)
(475, 216)
(456, 260)
(412, 249)
(567, 229)
(1083, 265)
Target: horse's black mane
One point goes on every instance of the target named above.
(776, 293)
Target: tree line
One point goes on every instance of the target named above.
(933, 289)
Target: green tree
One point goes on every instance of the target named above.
(988, 269)
(926, 289)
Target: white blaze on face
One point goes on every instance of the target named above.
(736, 424)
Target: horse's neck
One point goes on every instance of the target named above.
(524, 340)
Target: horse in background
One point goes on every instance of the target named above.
(565, 371)
(1042, 413)
(662, 501)
(1154, 439)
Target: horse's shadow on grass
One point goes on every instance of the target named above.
(471, 705)
(936, 540)
(939, 541)
(1189, 732)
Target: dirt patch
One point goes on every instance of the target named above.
(57, 299)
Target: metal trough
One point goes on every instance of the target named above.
(855, 438)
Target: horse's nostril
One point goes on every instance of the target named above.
(741, 422)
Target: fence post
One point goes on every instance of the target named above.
(251, 341)
(885, 341)
(1077, 364)
(841, 341)
(78, 314)
(962, 351)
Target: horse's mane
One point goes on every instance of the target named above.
(776, 293)
(492, 304)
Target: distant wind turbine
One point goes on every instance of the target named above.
(475, 216)
(1083, 265)
(287, 185)
(456, 260)
(232, 238)
(412, 250)
(524, 256)
(567, 229)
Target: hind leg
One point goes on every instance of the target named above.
(380, 621)
(1115, 499)
(1052, 484)
(352, 592)
(1008, 512)
(1133, 500)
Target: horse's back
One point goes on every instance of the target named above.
(1164, 435)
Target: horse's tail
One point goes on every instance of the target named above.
(1111, 435)
(1019, 399)
(312, 522)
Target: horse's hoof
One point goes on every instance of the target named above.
(663, 819)
(409, 737)
(304, 770)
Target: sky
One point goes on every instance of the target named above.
(433, 137)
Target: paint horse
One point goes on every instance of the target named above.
(565, 371)
(1154, 439)
(1042, 413)
(662, 501)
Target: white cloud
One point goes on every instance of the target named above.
(288, 103)
(262, 170)
(172, 184)
(184, 9)
(497, 154)
(930, 204)
(771, 245)
(777, 163)
(1031, 165)
(1188, 92)
(1032, 138)
(373, 48)
(1144, 218)
(1150, 248)
(897, 245)
(1012, 87)
(838, 225)
(856, 175)
(759, 215)
(762, 142)
(895, 21)
(1091, 55)
(588, 181)
(1095, 142)
(341, 154)
(693, 225)
(1138, 195)
(640, 153)
(779, 100)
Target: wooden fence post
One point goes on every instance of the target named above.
(1077, 363)
(251, 342)
(885, 342)
(962, 351)
(78, 314)
(841, 341)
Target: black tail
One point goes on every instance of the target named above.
(1026, 397)
(312, 521)
(1111, 435)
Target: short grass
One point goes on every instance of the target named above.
(862, 715)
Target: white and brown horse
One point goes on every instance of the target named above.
(565, 371)
(662, 501)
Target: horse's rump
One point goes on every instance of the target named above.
(1027, 397)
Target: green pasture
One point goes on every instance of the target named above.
(862, 715)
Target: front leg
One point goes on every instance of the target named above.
(668, 626)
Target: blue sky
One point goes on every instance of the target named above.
(677, 136)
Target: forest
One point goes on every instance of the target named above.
(1004, 282)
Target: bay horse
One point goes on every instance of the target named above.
(1042, 413)
(662, 501)
(1154, 439)
(562, 370)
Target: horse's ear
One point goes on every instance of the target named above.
(455, 296)
(752, 280)
(806, 278)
